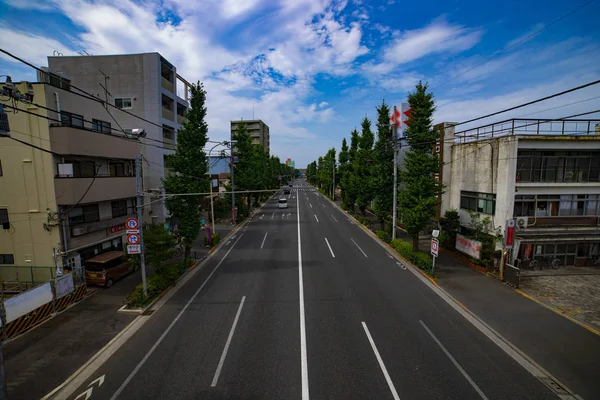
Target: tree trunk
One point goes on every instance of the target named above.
(415, 242)
(363, 210)
(187, 252)
(382, 222)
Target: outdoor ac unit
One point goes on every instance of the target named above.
(78, 231)
(522, 222)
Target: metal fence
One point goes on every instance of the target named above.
(512, 275)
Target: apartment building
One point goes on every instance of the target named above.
(543, 174)
(258, 131)
(72, 198)
(147, 86)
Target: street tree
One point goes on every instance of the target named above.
(418, 195)
(383, 178)
(189, 169)
(350, 188)
(363, 167)
(245, 175)
(343, 160)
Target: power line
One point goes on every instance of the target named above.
(533, 34)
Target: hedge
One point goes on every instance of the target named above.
(155, 285)
(383, 235)
(420, 258)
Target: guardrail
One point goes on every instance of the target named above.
(512, 275)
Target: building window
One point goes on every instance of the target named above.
(167, 102)
(123, 102)
(4, 221)
(558, 166)
(120, 169)
(71, 119)
(478, 202)
(82, 169)
(119, 208)
(7, 259)
(181, 109)
(83, 214)
(557, 205)
(168, 132)
(0, 167)
(101, 126)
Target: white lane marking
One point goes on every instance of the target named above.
(398, 263)
(222, 360)
(310, 204)
(166, 332)
(381, 364)
(327, 241)
(456, 364)
(273, 216)
(361, 250)
(265, 238)
(333, 218)
(316, 217)
(303, 356)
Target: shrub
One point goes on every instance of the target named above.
(383, 235)
(366, 221)
(155, 285)
(420, 259)
(216, 238)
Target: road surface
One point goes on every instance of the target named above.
(302, 304)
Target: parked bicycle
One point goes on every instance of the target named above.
(546, 262)
(593, 262)
(526, 264)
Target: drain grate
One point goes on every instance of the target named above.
(552, 384)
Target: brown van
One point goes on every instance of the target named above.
(106, 268)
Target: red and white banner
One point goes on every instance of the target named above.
(401, 119)
(468, 246)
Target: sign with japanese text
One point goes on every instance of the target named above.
(468, 246)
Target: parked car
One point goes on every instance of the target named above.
(286, 191)
(282, 203)
(104, 269)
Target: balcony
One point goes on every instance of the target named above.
(69, 190)
(574, 221)
(180, 119)
(167, 84)
(78, 141)
(110, 225)
(168, 114)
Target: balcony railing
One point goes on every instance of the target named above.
(566, 221)
(168, 114)
(88, 227)
(180, 119)
(167, 84)
(69, 190)
(558, 174)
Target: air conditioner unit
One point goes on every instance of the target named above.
(78, 231)
(522, 222)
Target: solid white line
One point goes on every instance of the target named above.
(381, 364)
(222, 360)
(272, 216)
(309, 204)
(361, 250)
(316, 217)
(333, 218)
(456, 364)
(166, 332)
(303, 356)
(265, 238)
(327, 241)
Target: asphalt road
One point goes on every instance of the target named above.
(302, 304)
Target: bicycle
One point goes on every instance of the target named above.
(549, 261)
(593, 262)
(526, 264)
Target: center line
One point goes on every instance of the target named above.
(273, 216)
(327, 241)
(303, 356)
(316, 217)
(310, 204)
(361, 250)
(381, 364)
(222, 360)
(265, 238)
(333, 218)
(456, 364)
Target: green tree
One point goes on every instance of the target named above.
(343, 160)
(363, 169)
(189, 168)
(158, 247)
(384, 166)
(327, 172)
(418, 195)
(350, 186)
(245, 175)
(450, 224)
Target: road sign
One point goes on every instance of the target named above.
(435, 247)
(132, 223)
(132, 231)
(134, 249)
(133, 239)
(509, 234)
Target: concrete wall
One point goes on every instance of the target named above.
(27, 191)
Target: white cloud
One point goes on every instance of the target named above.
(32, 48)
(438, 37)
(400, 83)
(37, 5)
(323, 104)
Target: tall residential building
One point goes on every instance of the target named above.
(73, 197)
(543, 174)
(258, 131)
(145, 85)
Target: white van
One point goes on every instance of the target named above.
(282, 203)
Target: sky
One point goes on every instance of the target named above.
(312, 69)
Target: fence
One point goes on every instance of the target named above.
(19, 278)
(512, 275)
(31, 307)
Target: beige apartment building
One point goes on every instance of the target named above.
(258, 131)
(72, 198)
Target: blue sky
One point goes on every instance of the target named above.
(311, 69)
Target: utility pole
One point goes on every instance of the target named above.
(232, 182)
(333, 183)
(3, 391)
(138, 182)
(395, 200)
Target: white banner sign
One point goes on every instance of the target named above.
(64, 285)
(468, 246)
(27, 301)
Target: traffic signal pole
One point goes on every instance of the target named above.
(395, 195)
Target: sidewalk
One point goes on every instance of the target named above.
(564, 349)
(43, 358)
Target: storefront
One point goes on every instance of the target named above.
(570, 253)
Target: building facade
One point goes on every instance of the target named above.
(544, 175)
(70, 199)
(258, 131)
(147, 86)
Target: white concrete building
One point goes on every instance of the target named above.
(144, 85)
(545, 175)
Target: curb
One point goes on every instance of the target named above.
(559, 312)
